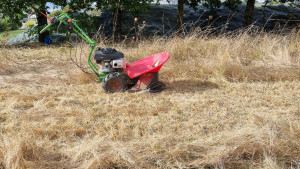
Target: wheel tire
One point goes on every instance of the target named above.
(157, 87)
(114, 82)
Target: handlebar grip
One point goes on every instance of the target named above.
(45, 28)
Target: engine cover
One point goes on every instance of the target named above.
(106, 54)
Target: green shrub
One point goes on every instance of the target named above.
(30, 24)
(4, 25)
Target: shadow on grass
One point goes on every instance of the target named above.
(191, 85)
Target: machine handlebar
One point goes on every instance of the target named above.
(45, 28)
(73, 27)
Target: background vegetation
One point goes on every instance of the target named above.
(13, 10)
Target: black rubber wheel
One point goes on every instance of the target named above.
(114, 82)
(157, 87)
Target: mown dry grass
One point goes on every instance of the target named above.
(231, 102)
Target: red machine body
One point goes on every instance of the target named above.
(146, 70)
(152, 64)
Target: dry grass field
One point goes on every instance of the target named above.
(232, 101)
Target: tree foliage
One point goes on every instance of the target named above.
(117, 7)
(14, 10)
(131, 6)
(36, 6)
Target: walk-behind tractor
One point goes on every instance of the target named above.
(115, 74)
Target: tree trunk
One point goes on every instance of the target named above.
(117, 25)
(42, 22)
(249, 12)
(180, 15)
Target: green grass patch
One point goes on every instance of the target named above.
(10, 34)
